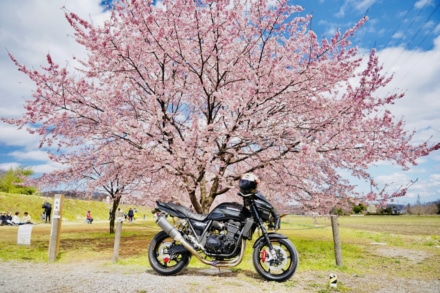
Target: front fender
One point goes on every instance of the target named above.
(271, 236)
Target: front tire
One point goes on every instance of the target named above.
(279, 268)
(166, 256)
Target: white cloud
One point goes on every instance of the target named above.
(357, 5)
(398, 35)
(45, 168)
(363, 5)
(427, 189)
(434, 179)
(394, 180)
(416, 74)
(422, 3)
(33, 31)
(11, 136)
(10, 165)
(330, 28)
(35, 155)
(38, 169)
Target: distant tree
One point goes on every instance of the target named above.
(195, 93)
(92, 173)
(431, 209)
(357, 209)
(387, 211)
(425, 209)
(13, 181)
(337, 211)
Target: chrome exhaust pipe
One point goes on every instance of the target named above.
(175, 234)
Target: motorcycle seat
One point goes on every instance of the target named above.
(184, 210)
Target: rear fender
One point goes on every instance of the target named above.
(164, 207)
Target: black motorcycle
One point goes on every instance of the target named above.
(219, 238)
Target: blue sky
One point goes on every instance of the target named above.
(406, 34)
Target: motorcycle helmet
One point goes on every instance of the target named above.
(248, 184)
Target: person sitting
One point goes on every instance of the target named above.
(89, 218)
(26, 218)
(9, 219)
(3, 219)
(16, 220)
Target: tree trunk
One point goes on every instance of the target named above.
(116, 200)
(203, 205)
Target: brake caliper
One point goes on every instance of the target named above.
(263, 255)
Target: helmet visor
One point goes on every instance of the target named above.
(247, 186)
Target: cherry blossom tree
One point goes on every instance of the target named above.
(89, 170)
(191, 94)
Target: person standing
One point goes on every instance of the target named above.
(130, 215)
(47, 211)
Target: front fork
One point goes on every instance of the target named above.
(273, 254)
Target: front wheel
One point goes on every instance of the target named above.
(278, 267)
(166, 256)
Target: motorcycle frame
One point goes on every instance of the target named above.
(184, 223)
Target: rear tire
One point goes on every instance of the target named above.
(162, 258)
(277, 269)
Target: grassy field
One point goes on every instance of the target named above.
(401, 246)
(73, 210)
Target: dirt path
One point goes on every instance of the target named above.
(102, 276)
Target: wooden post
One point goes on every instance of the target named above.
(336, 240)
(119, 221)
(55, 231)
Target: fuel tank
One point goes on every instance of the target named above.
(229, 210)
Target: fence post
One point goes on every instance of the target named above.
(55, 231)
(336, 240)
(119, 220)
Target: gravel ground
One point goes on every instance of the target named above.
(108, 277)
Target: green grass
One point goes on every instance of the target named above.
(361, 236)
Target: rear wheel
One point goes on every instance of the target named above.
(166, 256)
(278, 267)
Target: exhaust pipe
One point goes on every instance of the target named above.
(169, 229)
(173, 233)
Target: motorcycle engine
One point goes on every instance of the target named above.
(223, 238)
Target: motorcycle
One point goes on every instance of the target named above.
(219, 238)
